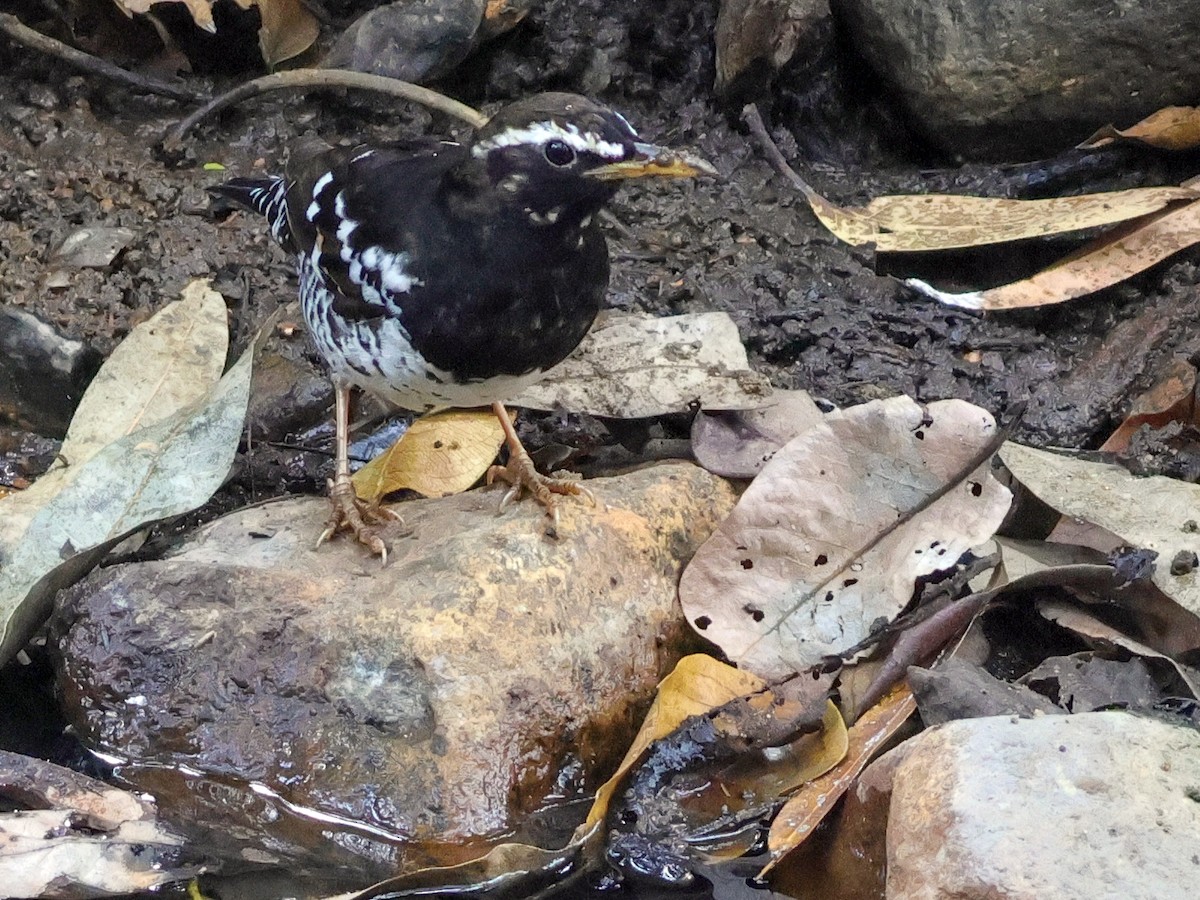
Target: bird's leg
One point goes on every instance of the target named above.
(523, 476)
(349, 513)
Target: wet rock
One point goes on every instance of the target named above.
(996, 78)
(313, 708)
(1091, 805)
(420, 40)
(42, 373)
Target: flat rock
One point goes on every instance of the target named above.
(317, 709)
(1092, 805)
(997, 78)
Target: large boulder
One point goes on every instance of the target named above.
(1008, 78)
(316, 709)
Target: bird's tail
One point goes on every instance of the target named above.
(266, 196)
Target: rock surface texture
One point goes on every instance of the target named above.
(279, 695)
(1092, 805)
(989, 78)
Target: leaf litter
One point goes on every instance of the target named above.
(835, 531)
(145, 474)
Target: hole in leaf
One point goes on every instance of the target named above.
(975, 487)
(754, 612)
(703, 622)
(850, 582)
(821, 560)
(747, 564)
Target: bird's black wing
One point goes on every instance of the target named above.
(354, 213)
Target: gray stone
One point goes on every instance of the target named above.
(1085, 806)
(312, 708)
(997, 78)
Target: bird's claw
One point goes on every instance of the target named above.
(523, 476)
(357, 516)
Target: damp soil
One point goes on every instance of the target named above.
(813, 313)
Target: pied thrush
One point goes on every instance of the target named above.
(440, 274)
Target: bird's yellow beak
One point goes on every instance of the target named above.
(661, 162)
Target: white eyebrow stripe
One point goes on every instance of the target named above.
(541, 132)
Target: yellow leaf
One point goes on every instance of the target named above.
(697, 684)
(1109, 259)
(924, 222)
(806, 808)
(441, 453)
(1171, 128)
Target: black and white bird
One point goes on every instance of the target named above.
(441, 274)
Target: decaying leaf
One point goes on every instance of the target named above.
(1111, 258)
(1171, 128)
(82, 838)
(153, 473)
(924, 222)
(638, 366)
(183, 346)
(287, 28)
(806, 808)
(1152, 512)
(1102, 635)
(1172, 398)
(440, 454)
(833, 533)
(697, 684)
(738, 443)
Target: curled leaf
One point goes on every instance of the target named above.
(1170, 128)
(440, 454)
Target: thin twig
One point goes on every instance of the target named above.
(753, 120)
(35, 40)
(324, 79)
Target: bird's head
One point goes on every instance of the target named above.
(562, 154)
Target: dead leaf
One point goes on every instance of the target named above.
(1151, 512)
(1171, 399)
(440, 454)
(697, 684)
(164, 365)
(631, 367)
(287, 27)
(738, 443)
(1108, 260)
(905, 223)
(153, 473)
(1171, 128)
(82, 838)
(806, 808)
(833, 533)
(1102, 635)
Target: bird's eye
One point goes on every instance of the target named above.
(558, 153)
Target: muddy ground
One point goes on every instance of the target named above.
(813, 313)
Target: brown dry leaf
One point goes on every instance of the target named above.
(922, 222)
(833, 533)
(441, 453)
(1171, 128)
(1120, 254)
(288, 27)
(1102, 635)
(807, 807)
(697, 684)
(1151, 512)
(1171, 399)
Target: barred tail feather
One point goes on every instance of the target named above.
(266, 196)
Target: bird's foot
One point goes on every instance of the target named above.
(352, 514)
(523, 476)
